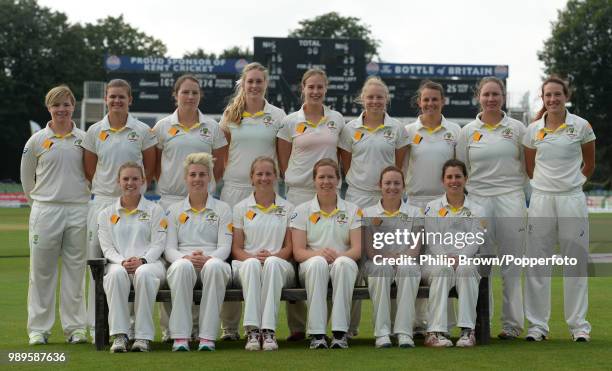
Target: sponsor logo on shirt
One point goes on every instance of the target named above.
(280, 211)
(35, 239)
(143, 217)
(571, 132)
(331, 125)
(78, 142)
(417, 139)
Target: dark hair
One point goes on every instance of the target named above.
(427, 84)
(181, 80)
(325, 162)
(556, 80)
(389, 169)
(455, 163)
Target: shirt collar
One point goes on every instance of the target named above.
(129, 124)
(278, 201)
(316, 208)
(443, 125)
(209, 205)
(385, 123)
(49, 133)
(380, 210)
(141, 205)
(467, 204)
(174, 120)
(502, 123)
(301, 116)
(267, 109)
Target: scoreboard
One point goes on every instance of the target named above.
(287, 59)
(459, 82)
(152, 80)
(343, 60)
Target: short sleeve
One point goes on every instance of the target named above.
(588, 135)
(219, 139)
(299, 218)
(89, 142)
(529, 137)
(346, 138)
(285, 131)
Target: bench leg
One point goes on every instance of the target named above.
(101, 307)
(483, 324)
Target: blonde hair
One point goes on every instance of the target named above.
(310, 73)
(372, 80)
(131, 165)
(267, 159)
(199, 158)
(180, 81)
(119, 83)
(57, 94)
(237, 104)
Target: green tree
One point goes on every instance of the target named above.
(40, 49)
(580, 49)
(199, 53)
(112, 35)
(333, 25)
(235, 52)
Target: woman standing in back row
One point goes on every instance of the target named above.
(432, 141)
(559, 158)
(117, 139)
(250, 125)
(490, 146)
(307, 136)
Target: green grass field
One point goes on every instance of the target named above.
(557, 353)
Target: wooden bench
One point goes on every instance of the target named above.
(482, 331)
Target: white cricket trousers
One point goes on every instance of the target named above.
(94, 251)
(231, 310)
(362, 199)
(420, 320)
(380, 279)
(441, 280)
(506, 227)
(261, 287)
(57, 230)
(315, 274)
(117, 282)
(563, 218)
(182, 278)
(296, 312)
(165, 201)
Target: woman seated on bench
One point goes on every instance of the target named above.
(132, 235)
(388, 215)
(262, 247)
(327, 243)
(199, 242)
(455, 215)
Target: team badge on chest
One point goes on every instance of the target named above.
(507, 133)
(449, 138)
(204, 133)
(267, 120)
(211, 218)
(341, 218)
(133, 136)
